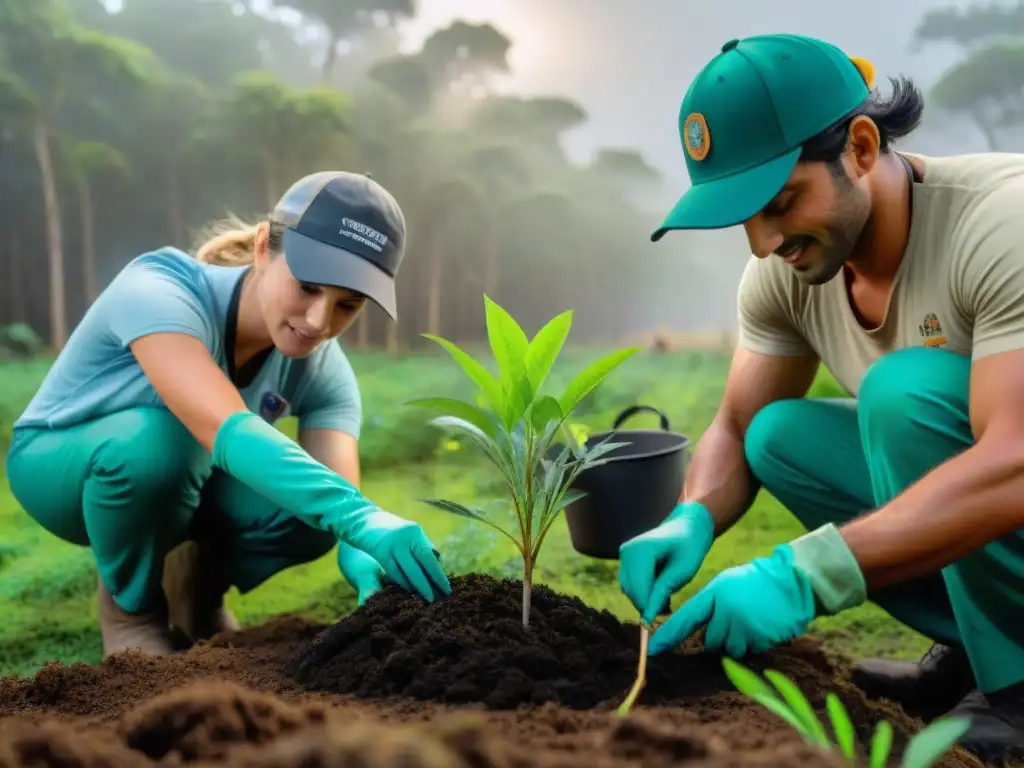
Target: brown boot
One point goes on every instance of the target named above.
(195, 593)
(121, 630)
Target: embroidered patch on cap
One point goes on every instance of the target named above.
(697, 138)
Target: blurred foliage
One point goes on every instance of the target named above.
(123, 132)
(985, 88)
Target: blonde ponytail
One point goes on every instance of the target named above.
(229, 242)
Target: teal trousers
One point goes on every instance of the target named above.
(828, 461)
(134, 485)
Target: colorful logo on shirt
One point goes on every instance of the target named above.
(931, 331)
(273, 407)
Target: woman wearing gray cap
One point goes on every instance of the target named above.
(154, 426)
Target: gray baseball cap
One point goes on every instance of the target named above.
(344, 230)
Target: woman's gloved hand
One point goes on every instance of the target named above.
(658, 563)
(361, 571)
(403, 551)
(257, 454)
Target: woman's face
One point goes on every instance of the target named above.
(301, 316)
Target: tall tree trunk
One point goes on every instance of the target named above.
(363, 329)
(989, 134)
(15, 281)
(54, 235)
(434, 285)
(270, 180)
(88, 240)
(330, 57)
(393, 347)
(7, 273)
(492, 272)
(176, 209)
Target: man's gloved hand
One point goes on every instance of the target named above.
(403, 551)
(655, 564)
(751, 608)
(361, 571)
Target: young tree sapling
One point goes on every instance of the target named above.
(518, 425)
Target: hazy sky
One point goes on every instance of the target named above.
(629, 63)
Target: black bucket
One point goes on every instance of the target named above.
(633, 491)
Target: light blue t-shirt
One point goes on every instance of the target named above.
(169, 291)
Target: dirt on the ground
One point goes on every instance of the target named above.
(403, 684)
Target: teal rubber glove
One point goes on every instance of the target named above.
(361, 571)
(658, 563)
(769, 601)
(257, 454)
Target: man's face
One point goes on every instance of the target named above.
(814, 223)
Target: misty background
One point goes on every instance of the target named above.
(532, 143)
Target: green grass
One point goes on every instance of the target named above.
(47, 586)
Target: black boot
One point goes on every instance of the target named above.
(996, 735)
(926, 688)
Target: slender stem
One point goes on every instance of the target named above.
(528, 516)
(641, 674)
(527, 588)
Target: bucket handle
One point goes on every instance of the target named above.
(633, 410)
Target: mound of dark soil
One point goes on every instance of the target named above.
(472, 648)
(231, 702)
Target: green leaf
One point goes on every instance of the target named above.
(479, 375)
(508, 341)
(544, 410)
(568, 498)
(746, 681)
(845, 733)
(750, 684)
(775, 706)
(509, 345)
(800, 706)
(544, 349)
(553, 473)
(934, 741)
(455, 508)
(881, 745)
(592, 454)
(494, 449)
(460, 409)
(593, 375)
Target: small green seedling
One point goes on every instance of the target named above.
(517, 427)
(924, 749)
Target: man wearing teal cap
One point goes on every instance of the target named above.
(904, 275)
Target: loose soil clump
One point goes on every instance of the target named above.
(399, 683)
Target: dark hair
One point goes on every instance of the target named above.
(895, 117)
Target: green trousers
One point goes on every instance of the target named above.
(828, 461)
(134, 485)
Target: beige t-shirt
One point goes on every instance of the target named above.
(960, 285)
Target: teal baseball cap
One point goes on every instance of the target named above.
(745, 117)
